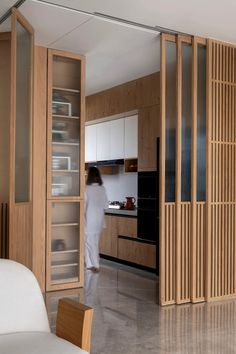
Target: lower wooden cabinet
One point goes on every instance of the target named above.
(108, 241)
(114, 244)
(64, 246)
(52, 298)
(137, 252)
(127, 226)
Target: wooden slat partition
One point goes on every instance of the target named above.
(199, 254)
(169, 254)
(167, 210)
(198, 210)
(203, 241)
(184, 260)
(221, 201)
(183, 221)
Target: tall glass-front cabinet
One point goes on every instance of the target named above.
(65, 170)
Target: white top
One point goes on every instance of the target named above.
(95, 203)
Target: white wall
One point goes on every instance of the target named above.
(121, 185)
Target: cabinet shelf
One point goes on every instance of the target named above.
(66, 224)
(63, 89)
(64, 280)
(61, 264)
(64, 116)
(65, 251)
(64, 143)
(65, 171)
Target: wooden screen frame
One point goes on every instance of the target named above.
(185, 213)
(20, 213)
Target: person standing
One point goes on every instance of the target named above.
(95, 203)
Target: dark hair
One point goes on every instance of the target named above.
(94, 176)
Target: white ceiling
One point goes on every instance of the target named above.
(208, 18)
(115, 53)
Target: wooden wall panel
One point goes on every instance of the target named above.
(20, 242)
(127, 97)
(148, 130)
(221, 201)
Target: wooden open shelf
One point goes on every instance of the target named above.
(131, 165)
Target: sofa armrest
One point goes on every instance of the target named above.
(74, 323)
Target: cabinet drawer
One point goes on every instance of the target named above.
(137, 252)
(127, 226)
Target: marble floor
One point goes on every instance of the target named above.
(127, 319)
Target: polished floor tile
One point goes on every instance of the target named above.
(127, 319)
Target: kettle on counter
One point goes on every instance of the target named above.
(129, 205)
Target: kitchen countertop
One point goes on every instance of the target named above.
(121, 212)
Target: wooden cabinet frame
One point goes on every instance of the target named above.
(65, 199)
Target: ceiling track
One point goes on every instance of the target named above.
(157, 29)
(8, 13)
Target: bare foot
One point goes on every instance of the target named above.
(96, 270)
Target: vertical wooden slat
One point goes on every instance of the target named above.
(178, 171)
(208, 171)
(193, 245)
(162, 284)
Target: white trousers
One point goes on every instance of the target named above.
(92, 250)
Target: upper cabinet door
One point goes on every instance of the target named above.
(20, 230)
(91, 143)
(131, 137)
(103, 141)
(117, 139)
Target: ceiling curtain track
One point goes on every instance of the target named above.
(156, 29)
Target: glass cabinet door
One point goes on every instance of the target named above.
(65, 242)
(65, 126)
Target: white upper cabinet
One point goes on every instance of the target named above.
(114, 139)
(103, 141)
(131, 137)
(117, 139)
(90, 143)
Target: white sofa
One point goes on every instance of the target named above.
(24, 327)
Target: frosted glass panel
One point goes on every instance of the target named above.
(201, 125)
(66, 127)
(170, 121)
(65, 230)
(23, 114)
(186, 123)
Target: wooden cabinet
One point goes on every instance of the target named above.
(65, 170)
(137, 252)
(108, 241)
(115, 243)
(149, 130)
(104, 141)
(52, 298)
(117, 139)
(114, 139)
(127, 226)
(131, 137)
(91, 143)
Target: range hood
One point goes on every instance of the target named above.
(116, 162)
